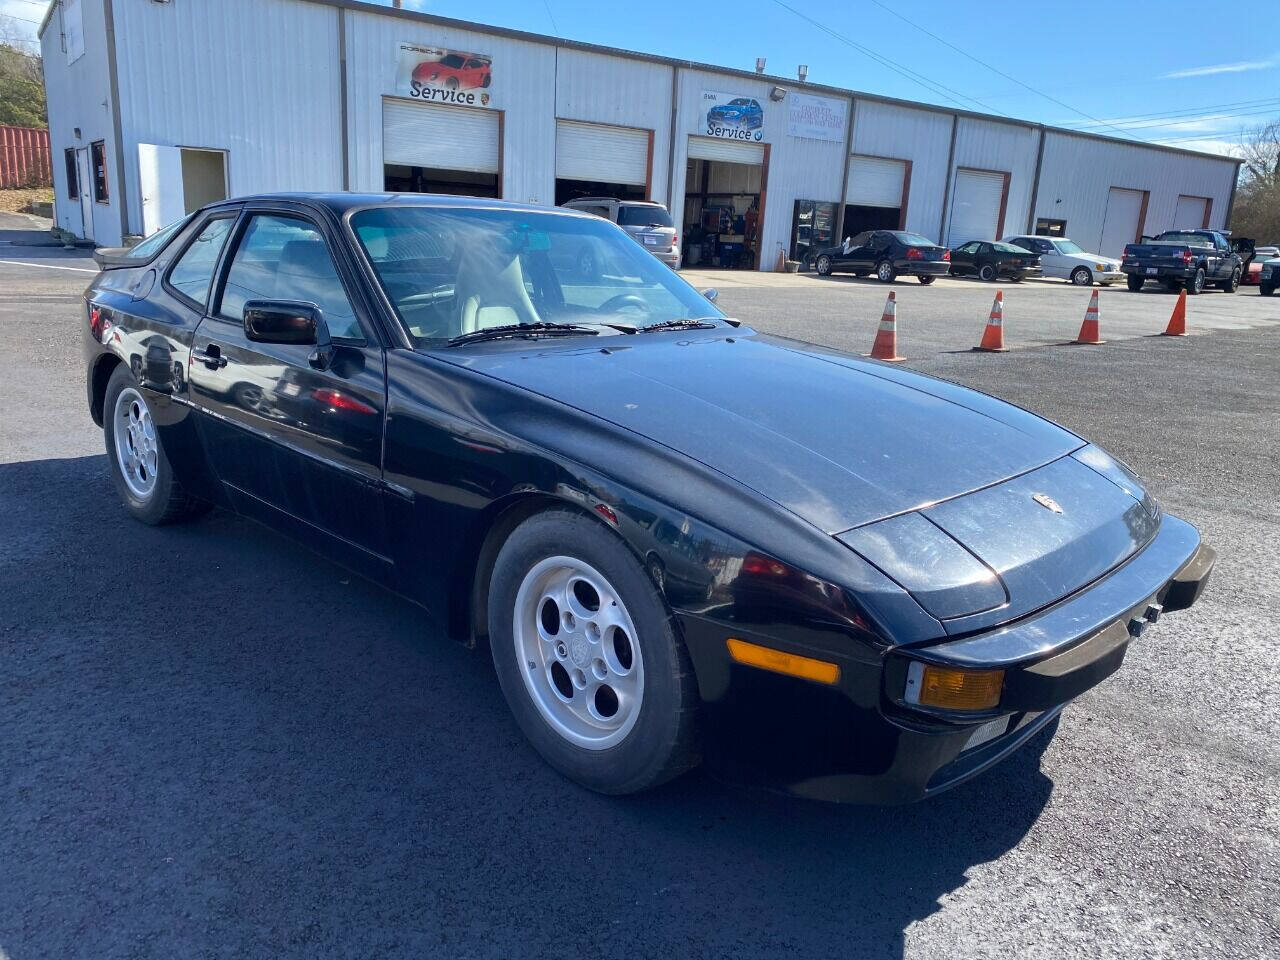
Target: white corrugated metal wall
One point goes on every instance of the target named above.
(921, 136)
(799, 168)
(1003, 147)
(524, 78)
(213, 75)
(1077, 174)
(627, 93)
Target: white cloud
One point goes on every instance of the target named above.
(1228, 148)
(1240, 66)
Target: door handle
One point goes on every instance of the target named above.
(210, 356)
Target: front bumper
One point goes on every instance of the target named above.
(1108, 276)
(858, 741)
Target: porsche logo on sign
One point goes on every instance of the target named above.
(1047, 502)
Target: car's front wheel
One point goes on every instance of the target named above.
(1233, 282)
(885, 272)
(589, 657)
(139, 468)
(1081, 277)
(1266, 290)
(926, 279)
(824, 266)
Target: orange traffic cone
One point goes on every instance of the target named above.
(886, 345)
(993, 336)
(1178, 319)
(1089, 329)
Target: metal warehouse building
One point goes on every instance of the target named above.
(159, 106)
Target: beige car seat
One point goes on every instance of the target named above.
(490, 292)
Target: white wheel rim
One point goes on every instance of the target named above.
(137, 451)
(585, 676)
(885, 271)
(823, 264)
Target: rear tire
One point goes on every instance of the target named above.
(823, 266)
(926, 280)
(1082, 277)
(1265, 290)
(1195, 283)
(139, 467)
(1133, 282)
(636, 736)
(987, 272)
(885, 272)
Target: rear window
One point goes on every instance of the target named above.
(644, 216)
(915, 240)
(1007, 248)
(1194, 239)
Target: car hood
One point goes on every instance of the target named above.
(837, 440)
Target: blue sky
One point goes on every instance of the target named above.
(1165, 75)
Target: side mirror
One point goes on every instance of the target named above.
(289, 321)
(712, 294)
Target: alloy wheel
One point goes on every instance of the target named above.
(577, 645)
(137, 450)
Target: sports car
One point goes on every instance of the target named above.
(677, 537)
(742, 112)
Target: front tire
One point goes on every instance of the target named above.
(824, 266)
(1233, 283)
(139, 468)
(1266, 290)
(589, 657)
(885, 272)
(926, 280)
(1133, 282)
(1082, 277)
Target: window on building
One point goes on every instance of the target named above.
(73, 175)
(98, 160)
(1051, 228)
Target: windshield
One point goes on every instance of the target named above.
(915, 240)
(1068, 246)
(452, 60)
(644, 216)
(149, 247)
(450, 271)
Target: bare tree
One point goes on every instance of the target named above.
(1257, 207)
(1260, 148)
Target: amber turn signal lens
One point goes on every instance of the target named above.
(793, 665)
(953, 689)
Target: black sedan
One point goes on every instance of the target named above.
(886, 253)
(667, 529)
(990, 260)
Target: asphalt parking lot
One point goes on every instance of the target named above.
(215, 744)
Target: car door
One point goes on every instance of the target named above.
(963, 258)
(1223, 262)
(863, 258)
(295, 434)
(1052, 263)
(843, 258)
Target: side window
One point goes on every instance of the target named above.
(861, 239)
(192, 273)
(284, 258)
(98, 159)
(970, 247)
(879, 241)
(1042, 246)
(73, 174)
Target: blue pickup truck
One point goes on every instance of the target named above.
(1189, 259)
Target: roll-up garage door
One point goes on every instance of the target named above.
(874, 182)
(1122, 221)
(441, 137)
(975, 207)
(593, 151)
(1191, 214)
(727, 151)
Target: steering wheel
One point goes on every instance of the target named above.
(622, 301)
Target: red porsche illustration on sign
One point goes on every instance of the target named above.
(455, 71)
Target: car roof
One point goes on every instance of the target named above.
(340, 203)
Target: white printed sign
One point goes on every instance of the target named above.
(817, 118)
(436, 75)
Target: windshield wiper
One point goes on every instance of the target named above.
(682, 323)
(542, 329)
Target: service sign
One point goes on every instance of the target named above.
(436, 75)
(817, 118)
(731, 117)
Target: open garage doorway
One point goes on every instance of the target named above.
(876, 192)
(599, 160)
(431, 148)
(724, 199)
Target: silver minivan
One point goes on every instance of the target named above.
(648, 222)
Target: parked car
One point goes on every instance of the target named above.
(741, 112)
(886, 253)
(1067, 260)
(1190, 259)
(902, 580)
(1268, 275)
(990, 260)
(1253, 269)
(456, 71)
(649, 224)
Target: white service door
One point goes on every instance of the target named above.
(975, 207)
(600, 153)
(726, 151)
(160, 181)
(84, 173)
(439, 137)
(1121, 222)
(873, 182)
(1190, 214)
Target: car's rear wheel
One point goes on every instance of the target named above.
(451, 83)
(1266, 290)
(589, 657)
(885, 272)
(926, 280)
(1133, 282)
(987, 272)
(824, 266)
(1082, 277)
(1195, 283)
(139, 468)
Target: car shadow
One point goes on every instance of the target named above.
(215, 741)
